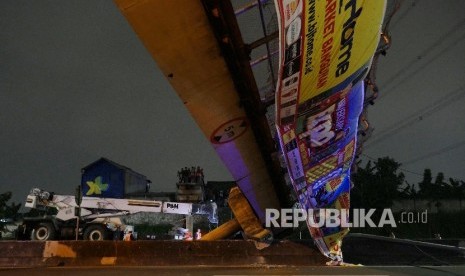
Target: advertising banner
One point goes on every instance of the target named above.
(326, 48)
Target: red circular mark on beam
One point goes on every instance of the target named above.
(229, 131)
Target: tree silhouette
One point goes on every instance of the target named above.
(376, 186)
(457, 190)
(7, 211)
(426, 185)
(440, 189)
(410, 192)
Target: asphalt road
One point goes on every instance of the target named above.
(311, 270)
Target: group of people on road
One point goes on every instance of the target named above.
(197, 236)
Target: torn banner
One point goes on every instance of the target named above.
(325, 52)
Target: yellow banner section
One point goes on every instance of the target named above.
(339, 39)
(326, 48)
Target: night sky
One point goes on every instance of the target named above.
(76, 84)
(419, 117)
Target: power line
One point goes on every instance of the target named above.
(439, 41)
(411, 172)
(404, 14)
(434, 153)
(416, 117)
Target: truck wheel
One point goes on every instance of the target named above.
(43, 232)
(96, 232)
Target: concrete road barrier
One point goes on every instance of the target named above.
(357, 249)
(156, 253)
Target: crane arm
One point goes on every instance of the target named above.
(100, 207)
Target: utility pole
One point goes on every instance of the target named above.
(77, 210)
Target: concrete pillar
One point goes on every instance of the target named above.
(190, 223)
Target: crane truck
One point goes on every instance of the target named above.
(95, 218)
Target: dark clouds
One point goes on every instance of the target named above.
(76, 84)
(419, 116)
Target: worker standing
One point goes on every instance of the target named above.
(188, 236)
(128, 236)
(198, 234)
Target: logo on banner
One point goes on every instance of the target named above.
(293, 31)
(327, 126)
(288, 99)
(293, 51)
(292, 9)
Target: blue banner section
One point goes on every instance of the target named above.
(327, 142)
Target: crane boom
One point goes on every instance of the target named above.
(65, 204)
